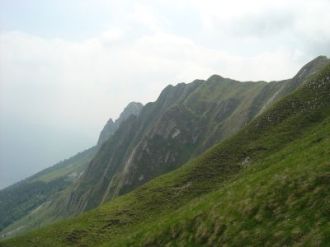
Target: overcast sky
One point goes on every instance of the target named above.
(66, 66)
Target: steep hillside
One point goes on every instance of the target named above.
(265, 186)
(184, 121)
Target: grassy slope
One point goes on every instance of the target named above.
(280, 198)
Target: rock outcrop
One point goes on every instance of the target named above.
(133, 108)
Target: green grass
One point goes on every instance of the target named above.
(280, 200)
(266, 186)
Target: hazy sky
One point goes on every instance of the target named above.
(66, 66)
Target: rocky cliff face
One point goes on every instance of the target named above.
(185, 120)
(133, 108)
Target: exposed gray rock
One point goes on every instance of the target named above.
(133, 108)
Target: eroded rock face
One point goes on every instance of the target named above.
(170, 141)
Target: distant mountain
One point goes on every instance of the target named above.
(21, 198)
(37, 191)
(110, 128)
(267, 185)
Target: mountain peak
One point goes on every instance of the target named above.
(110, 121)
(133, 108)
(312, 67)
(215, 77)
(321, 57)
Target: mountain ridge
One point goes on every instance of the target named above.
(184, 121)
(196, 100)
(164, 212)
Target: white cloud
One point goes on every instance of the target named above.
(95, 78)
(65, 84)
(135, 59)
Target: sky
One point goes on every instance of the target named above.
(66, 66)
